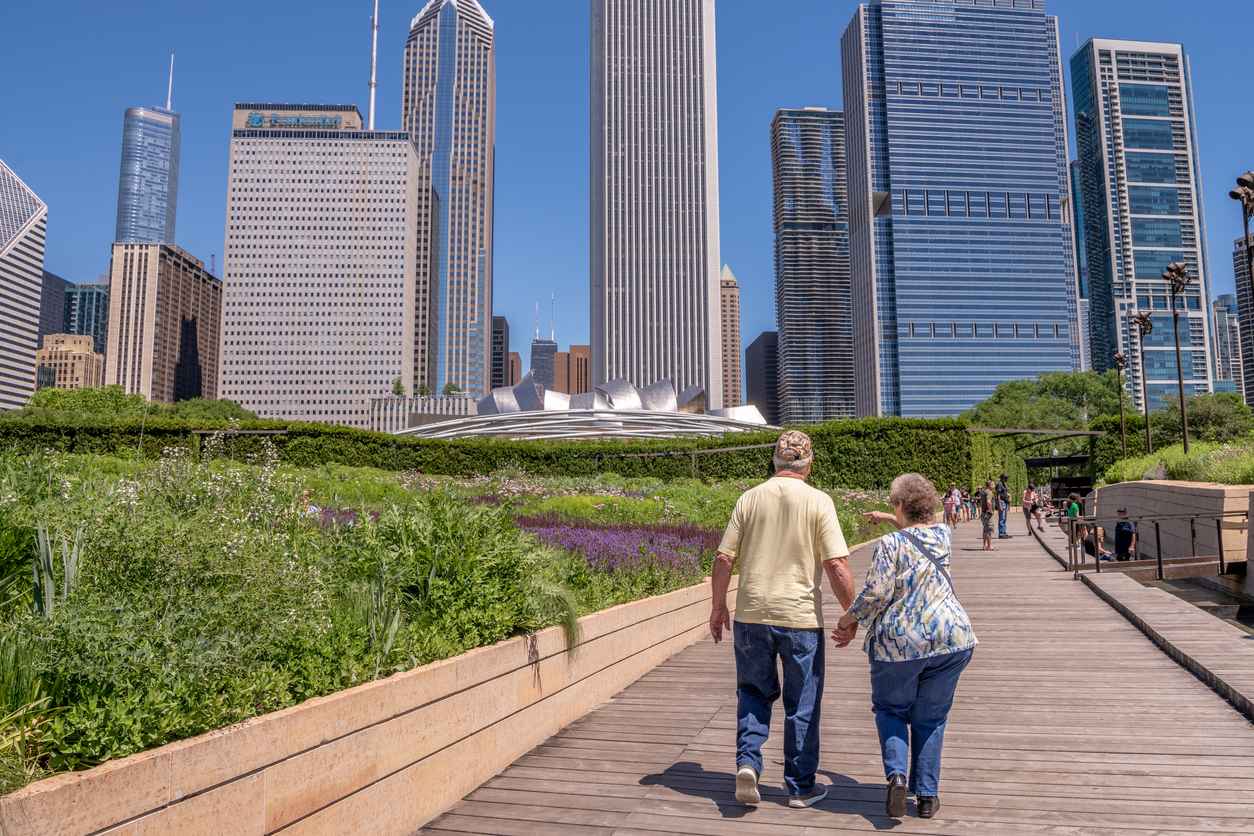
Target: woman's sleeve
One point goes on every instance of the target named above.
(880, 578)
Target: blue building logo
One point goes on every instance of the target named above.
(256, 119)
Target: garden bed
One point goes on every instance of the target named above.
(184, 595)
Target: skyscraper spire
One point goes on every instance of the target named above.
(552, 331)
(374, 58)
(537, 320)
(169, 93)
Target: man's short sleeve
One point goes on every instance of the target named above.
(831, 538)
(730, 545)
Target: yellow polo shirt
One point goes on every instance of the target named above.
(781, 532)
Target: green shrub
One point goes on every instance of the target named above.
(1226, 464)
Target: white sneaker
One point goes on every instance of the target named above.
(747, 786)
(814, 797)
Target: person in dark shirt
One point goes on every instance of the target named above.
(1003, 507)
(1125, 536)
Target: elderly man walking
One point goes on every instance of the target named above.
(786, 536)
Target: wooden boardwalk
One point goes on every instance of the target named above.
(1068, 721)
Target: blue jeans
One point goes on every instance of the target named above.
(911, 701)
(757, 686)
(1002, 510)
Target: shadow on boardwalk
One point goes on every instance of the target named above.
(1068, 721)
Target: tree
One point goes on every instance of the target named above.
(398, 388)
(1053, 401)
(108, 400)
(451, 388)
(1219, 418)
(424, 390)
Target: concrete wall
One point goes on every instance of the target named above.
(380, 759)
(1157, 498)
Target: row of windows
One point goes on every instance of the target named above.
(955, 330)
(974, 91)
(965, 204)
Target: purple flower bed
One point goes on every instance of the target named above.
(683, 548)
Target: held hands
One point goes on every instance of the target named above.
(719, 618)
(846, 630)
(877, 517)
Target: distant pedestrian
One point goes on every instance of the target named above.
(950, 500)
(1125, 536)
(966, 504)
(1078, 531)
(1003, 507)
(919, 640)
(786, 536)
(988, 507)
(1030, 505)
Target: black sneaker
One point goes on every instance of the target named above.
(814, 796)
(928, 805)
(895, 806)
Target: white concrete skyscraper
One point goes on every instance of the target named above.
(23, 225)
(450, 111)
(654, 195)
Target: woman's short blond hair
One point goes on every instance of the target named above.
(917, 497)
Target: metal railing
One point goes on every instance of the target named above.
(1079, 528)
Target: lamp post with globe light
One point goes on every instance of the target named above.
(1121, 363)
(1177, 275)
(1145, 323)
(1244, 192)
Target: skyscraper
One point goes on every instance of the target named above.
(87, 311)
(450, 110)
(330, 237)
(1142, 192)
(761, 369)
(165, 319)
(959, 207)
(500, 352)
(654, 195)
(1245, 317)
(729, 296)
(52, 305)
(1082, 268)
(813, 308)
(1228, 377)
(69, 361)
(23, 227)
(148, 187)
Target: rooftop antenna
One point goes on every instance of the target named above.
(537, 322)
(551, 331)
(169, 93)
(374, 57)
(1077, 39)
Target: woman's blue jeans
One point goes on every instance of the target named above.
(757, 687)
(911, 701)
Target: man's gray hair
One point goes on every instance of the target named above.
(791, 465)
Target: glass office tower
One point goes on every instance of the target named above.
(148, 188)
(1245, 317)
(450, 111)
(1142, 209)
(87, 312)
(1228, 377)
(961, 249)
(813, 308)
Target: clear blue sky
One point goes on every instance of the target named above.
(70, 69)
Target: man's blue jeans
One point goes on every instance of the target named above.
(911, 701)
(802, 653)
(1003, 508)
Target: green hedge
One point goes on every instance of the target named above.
(865, 453)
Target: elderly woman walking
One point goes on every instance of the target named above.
(919, 640)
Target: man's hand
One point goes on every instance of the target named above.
(877, 517)
(842, 636)
(719, 618)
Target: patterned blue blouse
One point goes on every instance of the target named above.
(907, 608)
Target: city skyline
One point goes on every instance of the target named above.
(535, 195)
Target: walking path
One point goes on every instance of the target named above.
(1068, 721)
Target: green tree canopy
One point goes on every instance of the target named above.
(1053, 401)
(398, 388)
(113, 400)
(1220, 418)
(451, 388)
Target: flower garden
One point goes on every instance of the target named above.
(143, 602)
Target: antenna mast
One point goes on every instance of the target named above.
(551, 331)
(169, 93)
(374, 57)
(537, 322)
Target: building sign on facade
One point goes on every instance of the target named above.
(257, 119)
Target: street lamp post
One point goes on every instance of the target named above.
(1145, 322)
(1244, 192)
(1178, 276)
(1121, 363)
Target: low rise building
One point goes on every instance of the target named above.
(69, 361)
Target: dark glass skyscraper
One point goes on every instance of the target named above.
(87, 312)
(813, 308)
(961, 250)
(1142, 192)
(148, 188)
